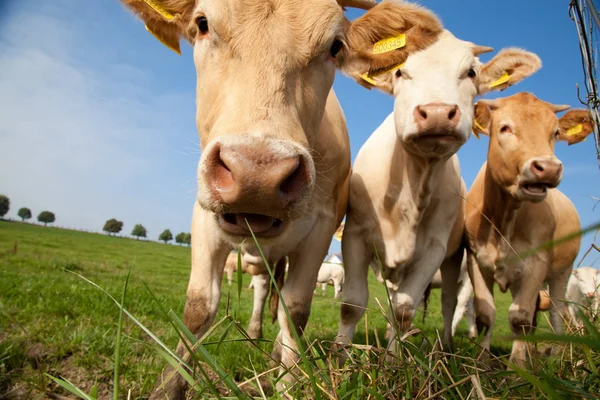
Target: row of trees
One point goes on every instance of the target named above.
(45, 217)
(114, 226)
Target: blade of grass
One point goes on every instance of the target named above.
(66, 384)
(118, 344)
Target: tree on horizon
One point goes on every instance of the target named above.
(139, 231)
(46, 217)
(24, 213)
(165, 236)
(113, 226)
(4, 205)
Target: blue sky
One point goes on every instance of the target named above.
(97, 117)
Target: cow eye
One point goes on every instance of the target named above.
(505, 129)
(335, 48)
(556, 134)
(202, 24)
(398, 73)
(471, 74)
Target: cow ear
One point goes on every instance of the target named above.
(574, 126)
(166, 20)
(508, 67)
(482, 119)
(382, 39)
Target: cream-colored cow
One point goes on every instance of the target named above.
(406, 190)
(513, 207)
(275, 148)
(583, 293)
(260, 282)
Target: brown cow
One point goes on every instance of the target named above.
(513, 207)
(276, 154)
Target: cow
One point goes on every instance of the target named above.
(583, 293)
(513, 207)
(464, 303)
(331, 271)
(260, 282)
(405, 204)
(275, 161)
(231, 266)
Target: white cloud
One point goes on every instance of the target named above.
(88, 141)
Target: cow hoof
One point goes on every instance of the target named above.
(255, 334)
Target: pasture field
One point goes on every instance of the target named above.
(54, 322)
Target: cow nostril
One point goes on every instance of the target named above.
(537, 166)
(223, 177)
(453, 112)
(422, 113)
(294, 182)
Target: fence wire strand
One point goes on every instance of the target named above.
(587, 22)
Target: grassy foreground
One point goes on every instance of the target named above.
(53, 322)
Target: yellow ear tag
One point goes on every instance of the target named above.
(575, 130)
(176, 50)
(387, 45)
(478, 126)
(368, 77)
(159, 9)
(503, 79)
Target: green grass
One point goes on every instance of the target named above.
(53, 322)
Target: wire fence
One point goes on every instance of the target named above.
(587, 22)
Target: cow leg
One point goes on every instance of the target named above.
(229, 273)
(323, 288)
(355, 297)
(522, 311)
(410, 291)
(203, 293)
(471, 317)
(485, 309)
(450, 270)
(464, 304)
(558, 294)
(261, 292)
(338, 288)
(297, 292)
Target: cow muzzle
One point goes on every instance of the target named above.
(255, 183)
(437, 128)
(539, 174)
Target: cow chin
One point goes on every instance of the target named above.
(434, 144)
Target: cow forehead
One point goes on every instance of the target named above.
(447, 54)
(526, 111)
(293, 26)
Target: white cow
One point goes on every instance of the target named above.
(464, 302)
(331, 271)
(583, 292)
(406, 192)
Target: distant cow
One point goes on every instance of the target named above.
(464, 302)
(583, 292)
(406, 203)
(260, 282)
(275, 149)
(231, 266)
(331, 271)
(513, 207)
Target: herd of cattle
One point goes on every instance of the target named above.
(276, 166)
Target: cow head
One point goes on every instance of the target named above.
(435, 89)
(264, 72)
(587, 281)
(523, 130)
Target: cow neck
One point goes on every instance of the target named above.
(500, 210)
(409, 194)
